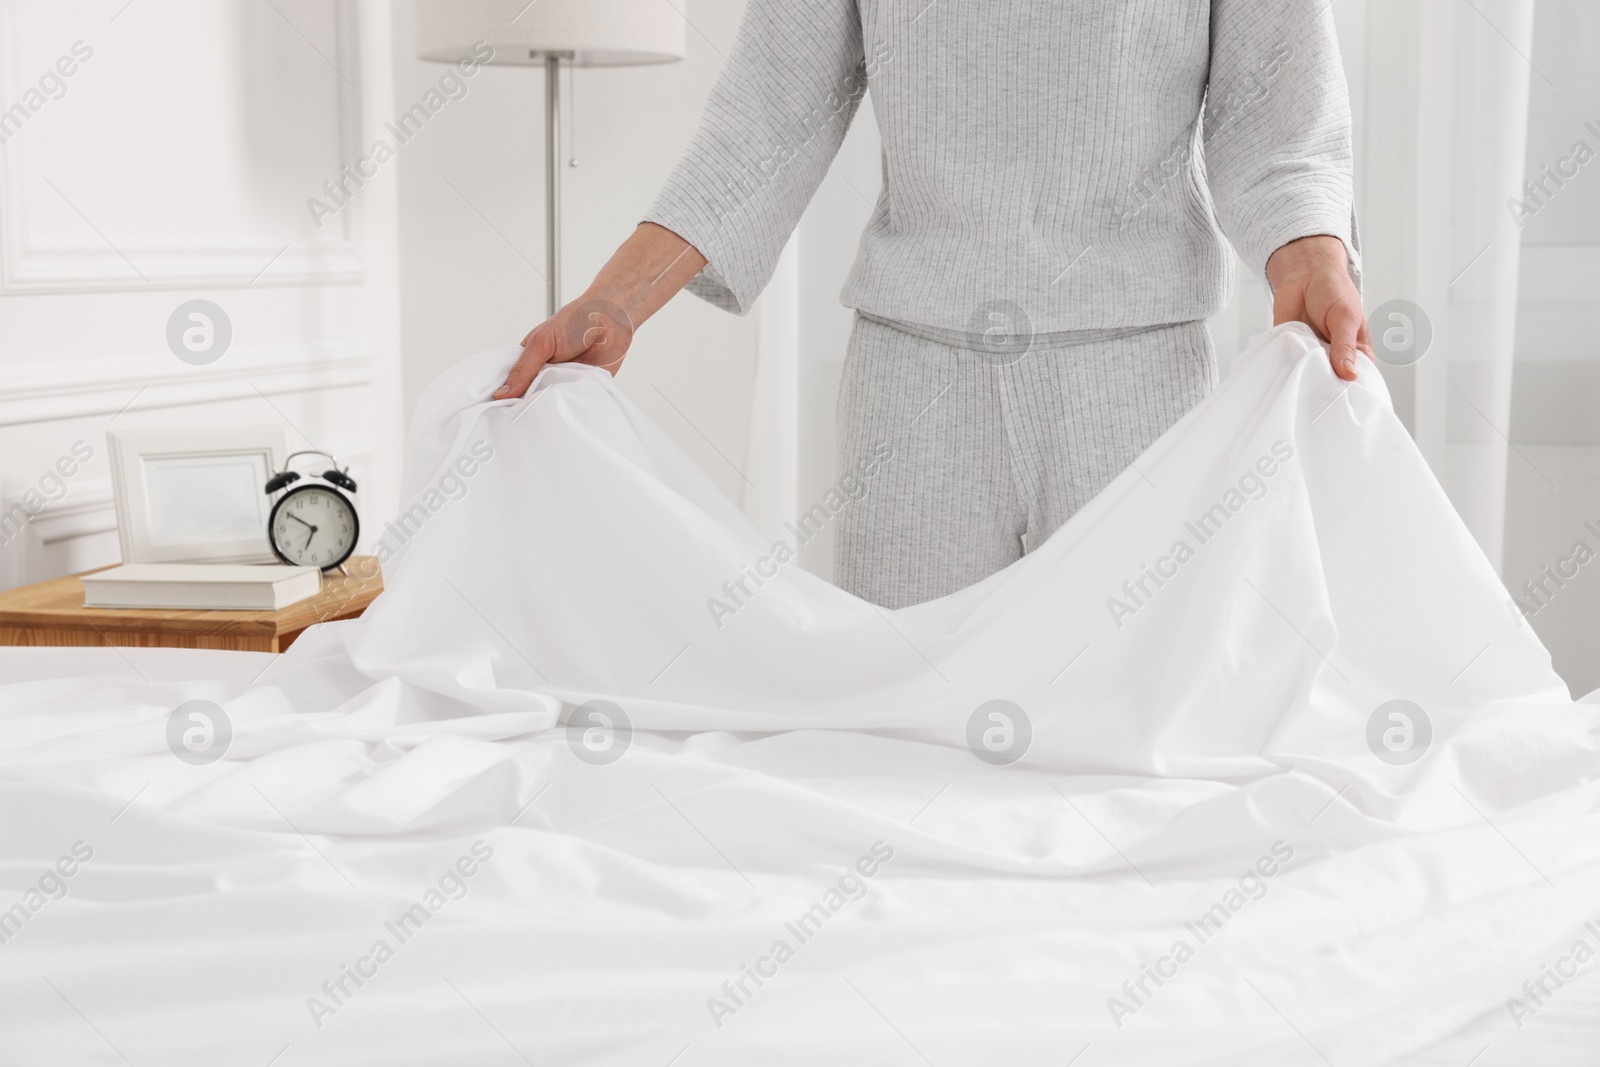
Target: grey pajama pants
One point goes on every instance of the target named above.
(975, 458)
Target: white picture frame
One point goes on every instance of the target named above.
(195, 495)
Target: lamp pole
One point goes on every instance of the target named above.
(620, 33)
(552, 177)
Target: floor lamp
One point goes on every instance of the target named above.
(548, 33)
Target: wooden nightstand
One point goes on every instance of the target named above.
(52, 613)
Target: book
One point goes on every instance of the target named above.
(201, 586)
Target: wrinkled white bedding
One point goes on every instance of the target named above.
(1198, 799)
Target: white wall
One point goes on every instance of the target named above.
(176, 163)
(472, 253)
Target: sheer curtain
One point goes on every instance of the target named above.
(1443, 147)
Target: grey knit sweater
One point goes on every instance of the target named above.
(1084, 161)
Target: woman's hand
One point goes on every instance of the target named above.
(1311, 284)
(592, 329)
(597, 328)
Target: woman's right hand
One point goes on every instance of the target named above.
(597, 328)
(592, 329)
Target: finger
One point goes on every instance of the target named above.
(537, 348)
(1344, 322)
(1364, 342)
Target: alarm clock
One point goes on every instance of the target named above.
(314, 524)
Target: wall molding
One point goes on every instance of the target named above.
(53, 392)
(83, 270)
(86, 509)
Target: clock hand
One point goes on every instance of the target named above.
(301, 521)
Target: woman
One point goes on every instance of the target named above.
(1061, 185)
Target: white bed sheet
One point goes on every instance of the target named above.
(1222, 725)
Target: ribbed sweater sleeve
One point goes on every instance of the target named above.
(1277, 128)
(773, 124)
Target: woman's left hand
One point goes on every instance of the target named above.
(1311, 284)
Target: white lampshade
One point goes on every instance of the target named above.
(595, 32)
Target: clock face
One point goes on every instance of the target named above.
(313, 526)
